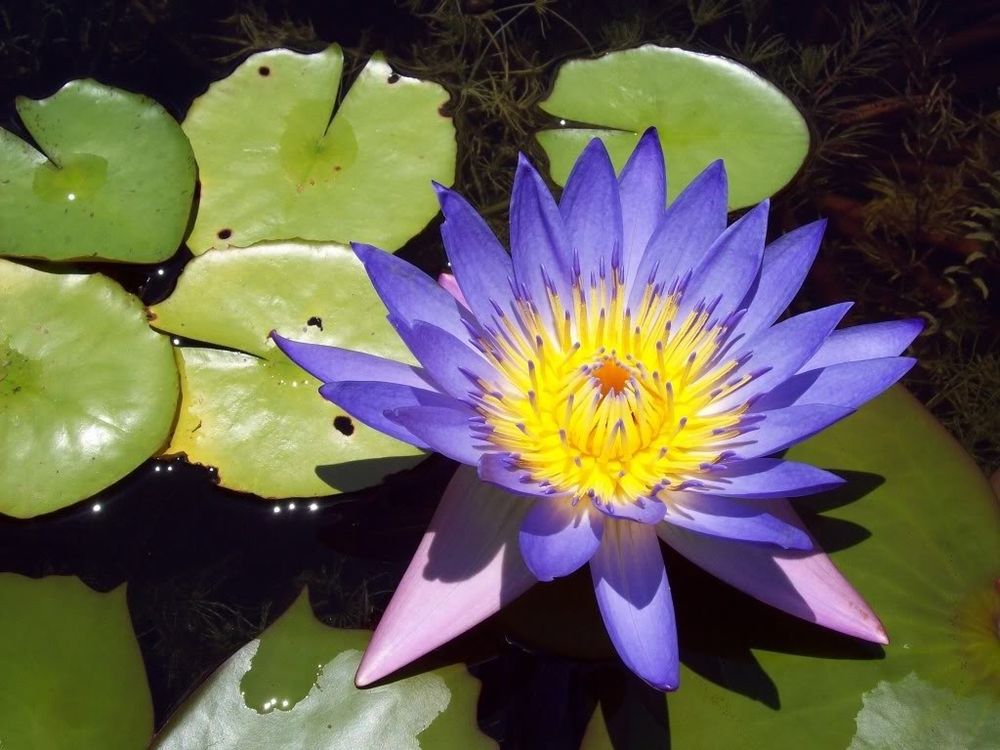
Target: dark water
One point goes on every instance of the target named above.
(207, 569)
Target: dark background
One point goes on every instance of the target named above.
(901, 98)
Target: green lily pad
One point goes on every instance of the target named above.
(87, 391)
(911, 715)
(114, 178)
(72, 676)
(928, 569)
(252, 413)
(293, 688)
(286, 170)
(704, 107)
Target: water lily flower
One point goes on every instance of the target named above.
(620, 378)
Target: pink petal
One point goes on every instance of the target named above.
(449, 283)
(466, 568)
(805, 584)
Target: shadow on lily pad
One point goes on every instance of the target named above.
(355, 475)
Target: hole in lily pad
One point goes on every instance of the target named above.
(306, 167)
(225, 234)
(315, 321)
(344, 425)
(264, 70)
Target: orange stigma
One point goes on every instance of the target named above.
(612, 376)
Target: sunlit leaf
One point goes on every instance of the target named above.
(113, 178)
(704, 107)
(72, 676)
(911, 715)
(293, 688)
(87, 391)
(252, 413)
(275, 166)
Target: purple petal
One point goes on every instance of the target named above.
(784, 267)
(630, 583)
(331, 364)
(646, 510)
(848, 384)
(501, 469)
(643, 189)
(779, 352)
(453, 365)
(557, 538)
(737, 520)
(538, 239)
(591, 209)
(368, 402)
(871, 341)
(731, 266)
(446, 429)
(686, 231)
(466, 568)
(776, 430)
(805, 584)
(449, 283)
(481, 265)
(410, 294)
(761, 478)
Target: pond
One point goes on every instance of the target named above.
(195, 546)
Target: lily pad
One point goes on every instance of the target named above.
(293, 688)
(252, 413)
(114, 178)
(928, 569)
(911, 715)
(704, 107)
(72, 676)
(87, 391)
(294, 168)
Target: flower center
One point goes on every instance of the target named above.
(611, 375)
(602, 402)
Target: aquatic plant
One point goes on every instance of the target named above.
(619, 377)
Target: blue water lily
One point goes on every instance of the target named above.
(620, 378)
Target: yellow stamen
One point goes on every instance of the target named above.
(609, 403)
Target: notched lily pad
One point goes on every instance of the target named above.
(114, 178)
(72, 675)
(927, 566)
(248, 410)
(294, 688)
(295, 169)
(87, 390)
(704, 107)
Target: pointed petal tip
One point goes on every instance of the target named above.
(364, 251)
(879, 635)
(374, 666)
(716, 168)
(666, 686)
